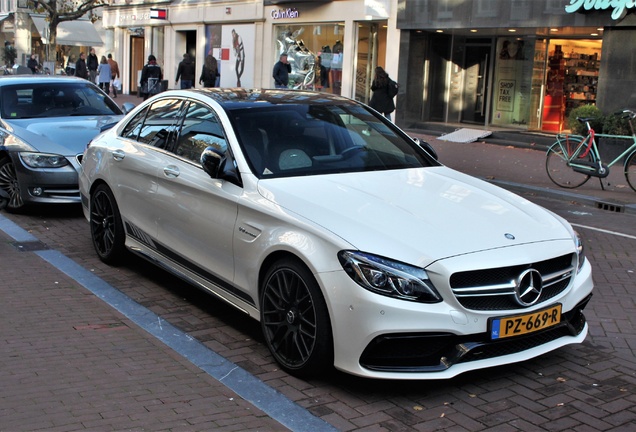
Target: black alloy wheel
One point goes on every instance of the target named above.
(295, 320)
(107, 229)
(9, 182)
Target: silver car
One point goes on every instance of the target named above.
(45, 124)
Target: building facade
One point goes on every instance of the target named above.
(27, 31)
(521, 64)
(247, 37)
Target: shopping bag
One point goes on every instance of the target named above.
(117, 84)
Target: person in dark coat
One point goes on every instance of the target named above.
(186, 72)
(381, 101)
(92, 63)
(209, 72)
(281, 72)
(151, 76)
(80, 67)
(33, 64)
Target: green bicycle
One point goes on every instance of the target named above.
(573, 159)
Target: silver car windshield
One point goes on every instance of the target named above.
(293, 140)
(54, 99)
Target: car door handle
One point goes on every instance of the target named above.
(119, 155)
(171, 171)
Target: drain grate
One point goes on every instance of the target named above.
(613, 207)
(30, 246)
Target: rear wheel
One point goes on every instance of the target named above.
(107, 229)
(556, 165)
(9, 182)
(294, 319)
(630, 170)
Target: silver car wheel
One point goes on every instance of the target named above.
(9, 182)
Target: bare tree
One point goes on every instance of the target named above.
(58, 11)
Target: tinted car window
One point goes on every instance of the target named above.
(55, 99)
(201, 128)
(161, 122)
(319, 139)
(131, 130)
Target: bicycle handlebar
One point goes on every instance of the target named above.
(626, 113)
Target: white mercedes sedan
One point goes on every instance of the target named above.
(349, 242)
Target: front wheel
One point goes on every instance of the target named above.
(9, 182)
(630, 170)
(107, 229)
(556, 165)
(294, 319)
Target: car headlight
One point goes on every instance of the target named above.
(390, 278)
(580, 251)
(43, 160)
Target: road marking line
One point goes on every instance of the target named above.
(605, 231)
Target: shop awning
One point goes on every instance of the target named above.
(77, 33)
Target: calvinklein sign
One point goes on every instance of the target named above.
(620, 6)
(285, 13)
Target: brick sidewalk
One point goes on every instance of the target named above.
(70, 362)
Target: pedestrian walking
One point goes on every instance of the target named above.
(151, 76)
(383, 88)
(186, 72)
(104, 75)
(114, 74)
(80, 67)
(209, 72)
(282, 69)
(92, 63)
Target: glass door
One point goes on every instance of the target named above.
(371, 52)
(475, 89)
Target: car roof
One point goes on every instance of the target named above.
(31, 79)
(240, 98)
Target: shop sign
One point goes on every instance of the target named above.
(158, 13)
(133, 17)
(620, 6)
(505, 99)
(285, 13)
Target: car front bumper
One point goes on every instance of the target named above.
(381, 337)
(48, 185)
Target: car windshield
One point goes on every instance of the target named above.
(54, 99)
(293, 140)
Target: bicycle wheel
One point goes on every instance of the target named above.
(556, 165)
(630, 170)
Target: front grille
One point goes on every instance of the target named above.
(435, 352)
(494, 289)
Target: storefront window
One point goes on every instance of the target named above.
(513, 82)
(315, 52)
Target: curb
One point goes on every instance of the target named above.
(570, 196)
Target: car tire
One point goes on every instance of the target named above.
(107, 229)
(295, 320)
(9, 182)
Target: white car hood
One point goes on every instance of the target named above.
(415, 215)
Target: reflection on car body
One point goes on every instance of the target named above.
(345, 238)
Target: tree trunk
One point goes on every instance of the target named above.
(52, 41)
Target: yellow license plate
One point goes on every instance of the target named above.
(527, 323)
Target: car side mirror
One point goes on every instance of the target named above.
(211, 159)
(127, 107)
(426, 147)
